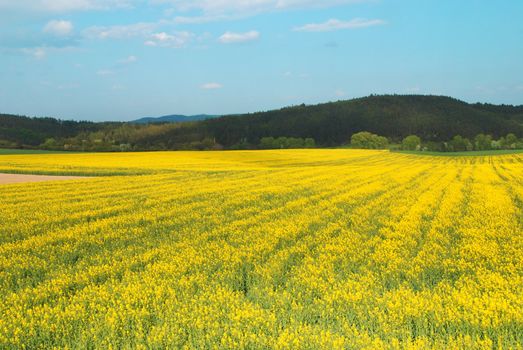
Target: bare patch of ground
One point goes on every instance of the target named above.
(19, 178)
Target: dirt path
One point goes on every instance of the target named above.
(19, 178)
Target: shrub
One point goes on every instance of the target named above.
(367, 140)
(411, 143)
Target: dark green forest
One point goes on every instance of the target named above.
(436, 120)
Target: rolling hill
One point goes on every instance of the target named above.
(433, 118)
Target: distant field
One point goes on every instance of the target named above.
(286, 249)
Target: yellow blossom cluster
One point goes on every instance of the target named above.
(285, 249)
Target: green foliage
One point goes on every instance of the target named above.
(367, 140)
(25, 131)
(286, 142)
(267, 142)
(511, 141)
(436, 120)
(309, 142)
(460, 144)
(480, 143)
(483, 142)
(432, 118)
(411, 143)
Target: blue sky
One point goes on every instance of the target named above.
(124, 59)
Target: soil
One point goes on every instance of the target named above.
(19, 178)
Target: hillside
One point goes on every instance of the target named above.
(26, 131)
(433, 118)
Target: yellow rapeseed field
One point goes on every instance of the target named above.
(290, 249)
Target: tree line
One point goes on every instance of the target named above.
(481, 142)
(435, 119)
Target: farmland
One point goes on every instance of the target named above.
(278, 249)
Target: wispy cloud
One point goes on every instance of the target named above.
(202, 19)
(120, 31)
(148, 31)
(37, 52)
(128, 60)
(211, 86)
(248, 6)
(206, 7)
(41, 52)
(59, 28)
(55, 36)
(224, 10)
(61, 6)
(335, 24)
(233, 38)
(175, 40)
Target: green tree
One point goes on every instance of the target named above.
(361, 140)
(267, 143)
(483, 142)
(411, 143)
(460, 144)
(50, 144)
(511, 141)
(367, 140)
(282, 142)
(293, 142)
(381, 142)
(309, 143)
(125, 147)
(499, 144)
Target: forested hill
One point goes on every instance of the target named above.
(433, 118)
(22, 130)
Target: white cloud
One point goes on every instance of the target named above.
(129, 60)
(232, 38)
(211, 86)
(59, 28)
(37, 52)
(41, 52)
(141, 30)
(202, 19)
(222, 10)
(335, 24)
(248, 6)
(120, 31)
(163, 39)
(216, 8)
(63, 5)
